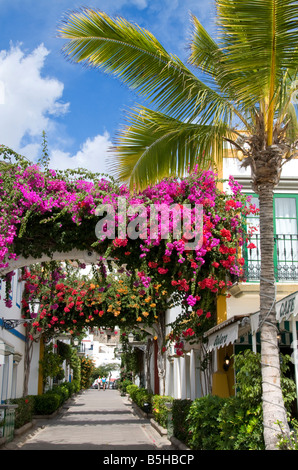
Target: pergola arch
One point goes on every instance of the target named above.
(86, 256)
(49, 216)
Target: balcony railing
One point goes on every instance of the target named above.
(285, 259)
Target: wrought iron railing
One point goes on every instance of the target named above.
(285, 258)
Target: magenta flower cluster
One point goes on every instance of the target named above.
(51, 197)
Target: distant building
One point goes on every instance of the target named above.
(101, 345)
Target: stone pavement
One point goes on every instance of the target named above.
(94, 420)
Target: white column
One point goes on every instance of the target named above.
(183, 377)
(178, 378)
(192, 375)
(254, 342)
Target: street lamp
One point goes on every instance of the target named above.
(11, 323)
(227, 362)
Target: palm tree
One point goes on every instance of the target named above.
(244, 102)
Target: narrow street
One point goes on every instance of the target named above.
(94, 420)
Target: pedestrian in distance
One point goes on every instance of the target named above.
(104, 381)
(99, 383)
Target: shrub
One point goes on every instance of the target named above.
(160, 410)
(143, 396)
(240, 425)
(24, 411)
(241, 418)
(69, 386)
(46, 404)
(132, 389)
(87, 368)
(180, 410)
(123, 385)
(139, 395)
(203, 422)
(62, 390)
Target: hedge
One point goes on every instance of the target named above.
(140, 396)
(160, 409)
(180, 411)
(25, 410)
(47, 403)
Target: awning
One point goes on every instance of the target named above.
(224, 336)
(284, 308)
(229, 331)
(287, 307)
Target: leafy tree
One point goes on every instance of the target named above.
(104, 370)
(246, 101)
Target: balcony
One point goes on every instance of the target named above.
(285, 259)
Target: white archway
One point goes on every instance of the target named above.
(88, 257)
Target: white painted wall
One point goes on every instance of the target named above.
(182, 373)
(13, 342)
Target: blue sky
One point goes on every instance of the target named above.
(79, 109)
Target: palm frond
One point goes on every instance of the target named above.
(208, 57)
(154, 146)
(134, 55)
(259, 40)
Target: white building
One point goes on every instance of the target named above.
(101, 346)
(13, 346)
(183, 377)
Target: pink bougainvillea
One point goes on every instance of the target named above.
(44, 211)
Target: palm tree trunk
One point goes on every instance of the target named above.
(273, 404)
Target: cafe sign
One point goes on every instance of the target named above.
(287, 307)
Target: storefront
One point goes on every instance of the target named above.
(241, 332)
(223, 340)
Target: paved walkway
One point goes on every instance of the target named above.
(94, 420)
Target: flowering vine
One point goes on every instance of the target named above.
(44, 211)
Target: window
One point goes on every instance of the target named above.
(285, 212)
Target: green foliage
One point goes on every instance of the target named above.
(75, 364)
(62, 391)
(236, 423)
(47, 403)
(132, 389)
(160, 410)
(289, 442)
(139, 395)
(50, 363)
(104, 370)
(240, 425)
(87, 369)
(252, 63)
(180, 410)
(64, 350)
(249, 379)
(203, 423)
(124, 384)
(24, 411)
(50, 401)
(129, 357)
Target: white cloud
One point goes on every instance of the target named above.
(31, 101)
(92, 156)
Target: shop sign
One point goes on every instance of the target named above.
(223, 338)
(287, 307)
